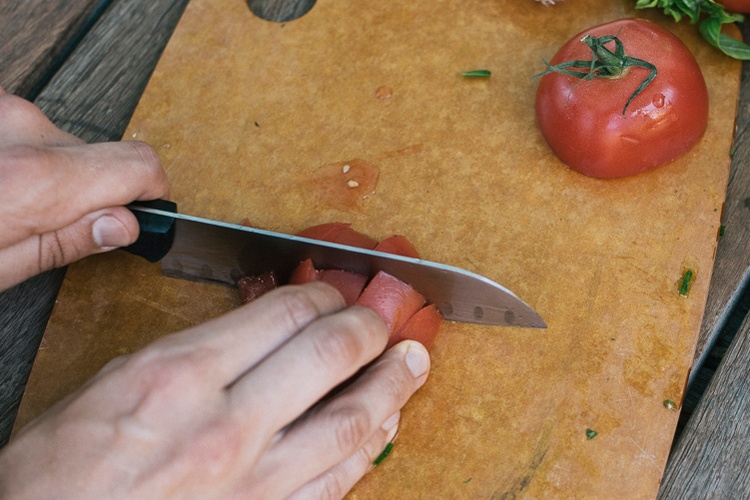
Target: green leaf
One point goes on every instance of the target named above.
(710, 28)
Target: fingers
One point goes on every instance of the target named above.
(335, 436)
(328, 352)
(337, 481)
(48, 189)
(96, 232)
(22, 123)
(239, 340)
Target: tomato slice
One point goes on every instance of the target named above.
(303, 273)
(423, 327)
(394, 300)
(350, 285)
(398, 245)
(252, 287)
(339, 232)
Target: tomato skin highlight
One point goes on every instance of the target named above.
(740, 6)
(583, 121)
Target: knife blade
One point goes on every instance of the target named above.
(200, 249)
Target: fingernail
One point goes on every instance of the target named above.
(391, 421)
(417, 360)
(108, 233)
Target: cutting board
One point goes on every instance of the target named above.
(254, 119)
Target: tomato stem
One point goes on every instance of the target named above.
(604, 63)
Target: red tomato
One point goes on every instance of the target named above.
(423, 327)
(741, 6)
(393, 299)
(339, 232)
(399, 245)
(583, 120)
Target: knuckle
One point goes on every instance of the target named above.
(338, 347)
(332, 486)
(167, 373)
(52, 251)
(352, 427)
(298, 309)
(147, 155)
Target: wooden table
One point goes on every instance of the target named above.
(85, 63)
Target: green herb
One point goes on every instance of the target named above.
(467, 481)
(603, 64)
(714, 16)
(590, 434)
(721, 231)
(477, 73)
(669, 404)
(384, 454)
(687, 279)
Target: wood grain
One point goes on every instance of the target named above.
(93, 96)
(610, 367)
(36, 35)
(732, 265)
(711, 458)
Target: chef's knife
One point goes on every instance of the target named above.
(204, 250)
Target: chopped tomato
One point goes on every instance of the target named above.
(350, 285)
(303, 273)
(742, 6)
(398, 245)
(393, 299)
(252, 287)
(423, 327)
(339, 232)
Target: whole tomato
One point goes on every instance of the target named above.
(591, 124)
(741, 6)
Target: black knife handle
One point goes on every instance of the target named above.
(156, 231)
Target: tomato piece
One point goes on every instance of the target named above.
(350, 285)
(423, 327)
(741, 6)
(394, 300)
(252, 287)
(398, 245)
(583, 120)
(339, 232)
(303, 273)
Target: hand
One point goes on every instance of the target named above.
(231, 408)
(61, 198)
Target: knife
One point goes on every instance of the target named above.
(204, 250)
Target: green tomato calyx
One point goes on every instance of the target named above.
(604, 63)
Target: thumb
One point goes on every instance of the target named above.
(96, 232)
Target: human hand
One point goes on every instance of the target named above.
(61, 198)
(228, 409)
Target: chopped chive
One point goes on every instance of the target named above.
(384, 454)
(721, 231)
(669, 404)
(686, 282)
(590, 434)
(477, 73)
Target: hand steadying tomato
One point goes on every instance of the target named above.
(741, 6)
(593, 125)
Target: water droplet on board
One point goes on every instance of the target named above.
(384, 92)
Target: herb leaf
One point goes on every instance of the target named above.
(710, 28)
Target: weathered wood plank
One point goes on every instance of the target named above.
(93, 96)
(712, 456)
(732, 265)
(35, 34)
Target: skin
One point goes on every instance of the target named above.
(241, 406)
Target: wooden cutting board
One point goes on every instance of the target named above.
(255, 119)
